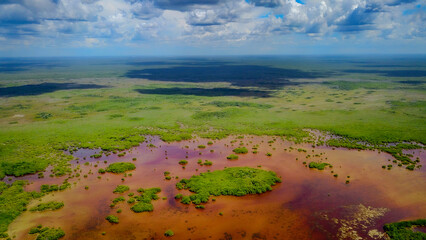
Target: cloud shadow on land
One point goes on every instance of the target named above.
(207, 92)
(390, 73)
(237, 75)
(37, 89)
(25, 65)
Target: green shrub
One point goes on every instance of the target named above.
(98, 155)
(121, 189)
(142, 207)
(185, 200)
(169, 233)
(45, 188)
(13, 201)
(318, 165)
(118, 199)
(232, 157)
(236, 181)
(201, 146)
(268, 154)
(47, 206)
(44, 115)
(183, 162)
(47, 233)
(120, 167)
(101, 170)
(168, 178)
(240, 150)
(112, 219)
(207, 163)
(144, 200)
(411, 167)
(166, 173)
(51, 234)
(178, 196)
(402, 230)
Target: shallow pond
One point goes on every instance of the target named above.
(308, 204)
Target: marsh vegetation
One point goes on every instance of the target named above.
(236, 181)
(120, 167)
(348, 103)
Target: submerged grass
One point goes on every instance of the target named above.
(404, 230)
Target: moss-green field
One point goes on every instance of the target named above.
(50, 106)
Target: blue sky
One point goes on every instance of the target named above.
(210, 27)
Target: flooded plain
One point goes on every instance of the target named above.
(308, 204)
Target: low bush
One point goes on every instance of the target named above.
(118, 199)
(169, 233)
(142, 207)
(45, 233)
(144, 200)
(121, 189)
(232, 157)
(403, 230)
(183, 162)
(207, 163)
(112, 219)
(318, 165)
(47, 206)
(120, 167)
(236, 181)
(240, 150)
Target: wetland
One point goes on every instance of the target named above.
(213, 148)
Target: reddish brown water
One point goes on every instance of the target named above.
(308, 204)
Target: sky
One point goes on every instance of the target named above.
(211, 27)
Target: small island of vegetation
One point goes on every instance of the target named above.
(232, 157)
(169, 233)
(121, 189)
(318, 165)
(235, 181)
(47, 233)
(240, 150)
(47, 206)
(112, 219)
(120, 167)
(144, 200)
